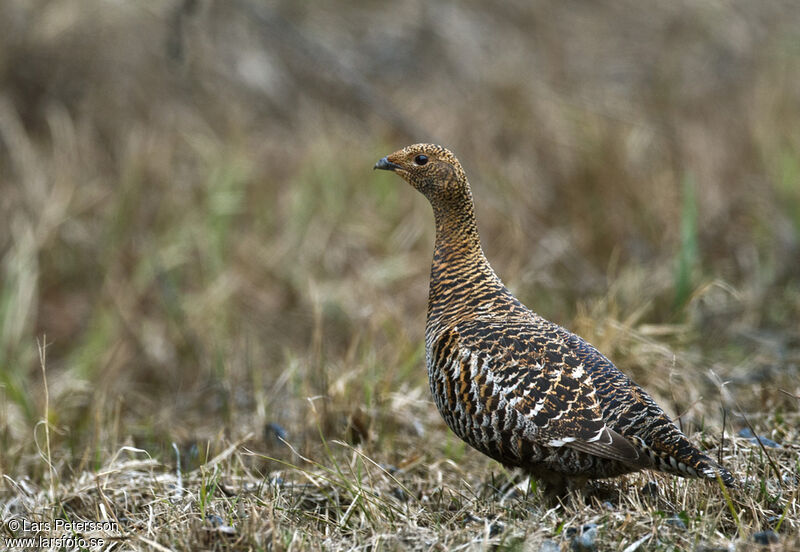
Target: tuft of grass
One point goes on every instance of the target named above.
(687, 255)
(788, 184)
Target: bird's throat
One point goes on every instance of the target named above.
(460, 270)
(457, 238)
(457, 258)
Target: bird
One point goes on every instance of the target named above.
(520, 389)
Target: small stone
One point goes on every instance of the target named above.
(496, 528)
(766, 537)
(549, 546)
(470, 518)
(650, 489)
(399, 494)
(218, 524)
(214, 520)
(790, 479)
(275, 431)
(745, 433)
(765, 441)
(277, 481)
(675, 521)
(585, 542)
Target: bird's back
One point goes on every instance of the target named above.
(531, 394)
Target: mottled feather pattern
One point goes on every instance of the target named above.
(514, 385)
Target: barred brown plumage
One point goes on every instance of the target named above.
(515, 386)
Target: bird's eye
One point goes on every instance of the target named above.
(421, 159)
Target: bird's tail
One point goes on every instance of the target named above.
(685, 460)
(712, 470)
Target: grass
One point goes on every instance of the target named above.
(345, 499)
(687, 254)
(212, 310)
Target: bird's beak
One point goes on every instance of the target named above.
(386, 165)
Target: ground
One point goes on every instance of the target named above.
(212, 309)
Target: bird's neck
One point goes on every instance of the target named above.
(456, 229)
(459, 270)
(458, 245)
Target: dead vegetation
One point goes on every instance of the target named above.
(227, 307)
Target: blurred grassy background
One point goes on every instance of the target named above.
(190, 222)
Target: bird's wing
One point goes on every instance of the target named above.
(541, 378)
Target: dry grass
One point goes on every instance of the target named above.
(347, 500)
(227, 305)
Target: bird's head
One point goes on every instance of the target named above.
(431, 169)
